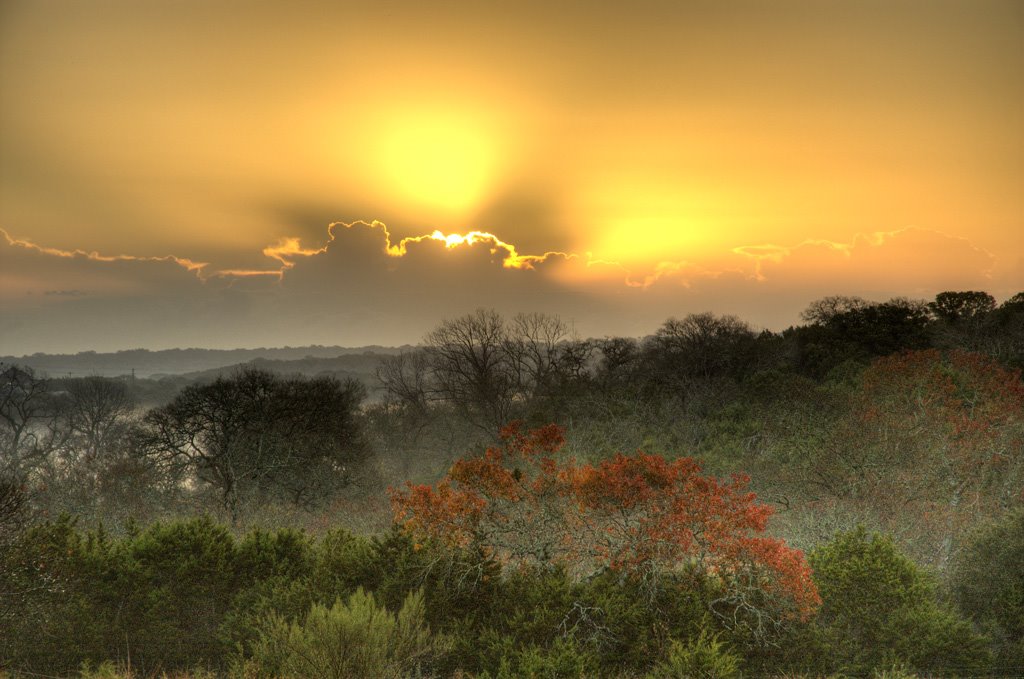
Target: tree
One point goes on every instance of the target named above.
(95, 412)
(1005, 332)
(824, 310)
(850, 329)
(96, 418)
(963, 320)
(406, 380)
(640, 516)
(540, 348)
(956, 307)
(29, 415)
(471, 368)
(619, 362)
(486, 369)
(925, 443)
(987, 583)
(880, 609)
(701, 347)
(259, 432)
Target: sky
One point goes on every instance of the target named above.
(240, 174)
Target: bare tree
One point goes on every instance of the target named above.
(407, 381)
(535, 346)
(701, 346)
(96, 411)
(823, 310)
(95, 417)
(486, 370)
(471, 367)
(29, 416)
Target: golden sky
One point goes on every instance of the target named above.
(169, 170)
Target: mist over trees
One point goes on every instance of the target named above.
(574, 506)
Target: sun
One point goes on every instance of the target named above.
(438, 160)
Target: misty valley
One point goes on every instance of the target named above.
(844, 498)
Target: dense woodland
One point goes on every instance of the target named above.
(844, 498)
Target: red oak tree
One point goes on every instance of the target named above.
(943, 434)
(638, 515)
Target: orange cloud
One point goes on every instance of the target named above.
(188, 264)
(290, 247)
(289, 250)
(362, 287)
(506, 252)
(911, 257)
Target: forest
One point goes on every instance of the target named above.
(841, 499)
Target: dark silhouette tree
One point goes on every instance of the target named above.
(95, 411)
(29, 416)
(487, 370)
(697, 351)
(259, 432)
(471, 368)
(960, 307)
(846, 329)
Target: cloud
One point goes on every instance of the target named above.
(364, 275)
(361, 285)
(31, 270)
(287, 249)
(913, 259)
(187, 264)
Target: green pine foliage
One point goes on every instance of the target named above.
(987, 583)
(879, 608)
(189, 596)
(352, 638)
(703, 657)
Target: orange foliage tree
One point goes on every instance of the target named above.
(641, 516)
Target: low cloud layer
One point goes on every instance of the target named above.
(363, 286)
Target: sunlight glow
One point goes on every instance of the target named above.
(437, 160)
(639, 221)
(506, 252)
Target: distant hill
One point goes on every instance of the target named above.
(361, 367)
(310, 360)
(348, 365)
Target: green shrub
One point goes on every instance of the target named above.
(75, 596)
(186, 582)
(703, 657)
(284, 553)
(343, 562)
(157, 597)
(355, 638)
(987, 582)
(631, 621)
(879, 608)
(562, 659)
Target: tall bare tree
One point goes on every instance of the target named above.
(96, 411)
(29, 416)
(471, 367)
